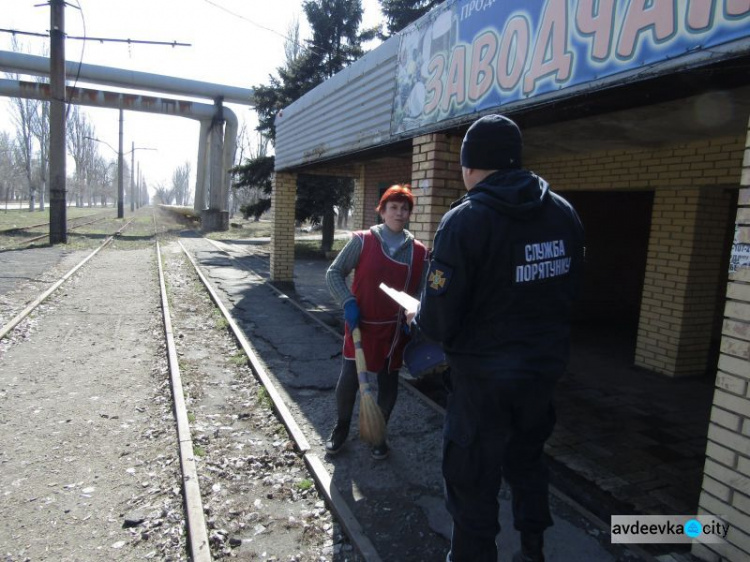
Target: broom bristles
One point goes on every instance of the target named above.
(371, 420)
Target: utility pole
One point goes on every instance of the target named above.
(120, 188)
(135, 194)
(132, 171)
(58, 230)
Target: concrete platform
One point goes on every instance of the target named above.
(627, 441)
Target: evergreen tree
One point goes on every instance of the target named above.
(336, 43)
(316, 198)
(255, 174)
(400, 13)
(294, 81)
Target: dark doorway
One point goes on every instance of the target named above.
(627, 440)
(617, 231)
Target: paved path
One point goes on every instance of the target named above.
(637, 437)
(27, 266)
(402, 493)
(305, 361)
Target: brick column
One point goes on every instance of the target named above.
(680, 294)
(282, 236)
(359, 201)
(726, 475)
(436, 181)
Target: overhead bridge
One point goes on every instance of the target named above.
(219, 125)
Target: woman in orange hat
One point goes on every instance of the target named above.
(386, 253)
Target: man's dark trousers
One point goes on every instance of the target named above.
(495, 429)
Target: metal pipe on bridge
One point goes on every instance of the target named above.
(114, 100)
(39, 66)
(202, 112)
(218, 93)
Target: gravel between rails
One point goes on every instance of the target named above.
(88, 465)
(88, 454)
(260, 500)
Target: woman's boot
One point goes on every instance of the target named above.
(338, 437)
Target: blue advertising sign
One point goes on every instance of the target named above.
(466, 56)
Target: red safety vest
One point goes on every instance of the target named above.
(380, 317)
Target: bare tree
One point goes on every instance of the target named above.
(143, 190)
(103, 180)
(181, 184)
(162, 194)
(23, 112)
(242, 146)
(9, 171)
(80, 135)
(40, 130)
(249, 192)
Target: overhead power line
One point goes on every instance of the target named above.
(17, 32)
(240, 16)
(256, 24)
(129, 41)
(101, 39)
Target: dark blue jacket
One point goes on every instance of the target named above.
(505, 269)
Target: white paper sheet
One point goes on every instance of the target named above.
(409, 303)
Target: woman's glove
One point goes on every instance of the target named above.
(351, 314)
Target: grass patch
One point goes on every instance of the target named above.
(191, 417)
(264, 398)
(240, 228)
(140, 232)
(310, 249)
(199, 451)
(219, 320)
(17, 218)
(240, 359)
(305, 484)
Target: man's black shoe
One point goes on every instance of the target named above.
(338, 438)
(380, 452)
(532, 548)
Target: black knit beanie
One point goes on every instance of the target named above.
(492, 143)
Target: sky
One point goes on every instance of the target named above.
(232, 42)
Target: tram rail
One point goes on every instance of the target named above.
(246, 257)
(6, 231)
(78, 222)
(322, 477)
(377, 505)
(21, 316)
(200, 536)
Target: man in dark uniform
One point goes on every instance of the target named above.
(505, 268)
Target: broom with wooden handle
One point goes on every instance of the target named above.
(371, 420)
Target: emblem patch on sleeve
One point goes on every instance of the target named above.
(438, 278)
